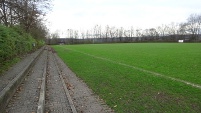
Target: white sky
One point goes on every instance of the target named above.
(85, 14)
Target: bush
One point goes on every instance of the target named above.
(14, 41)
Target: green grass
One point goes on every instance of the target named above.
(7, 64)
(126, 89)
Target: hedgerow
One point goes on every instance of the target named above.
(14, 41)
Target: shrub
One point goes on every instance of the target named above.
(14, 41)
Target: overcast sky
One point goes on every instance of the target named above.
(85, 14)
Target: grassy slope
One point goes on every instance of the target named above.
(132, 90)
(6, 65)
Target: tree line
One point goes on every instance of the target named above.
(189, 31)
(27, 14)
(21, 27)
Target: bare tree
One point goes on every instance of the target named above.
(194, 25)
(112, 32)
(54, 38)
(120, 33)
(132, 32)
(97, 31)
(172, 31)
(153, 34)
(26, 13)
(83, 35)
(182, 29)
(107, 31)
(162, 30)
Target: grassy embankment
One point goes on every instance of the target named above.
(109, 70)
(14, 42)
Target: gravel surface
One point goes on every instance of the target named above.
(25, 100)
(56, 100)
(6, 77)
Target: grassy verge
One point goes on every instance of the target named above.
(7, 64)
(129, 90)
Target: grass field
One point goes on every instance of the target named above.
(135, 77)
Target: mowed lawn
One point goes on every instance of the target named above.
(115, 73)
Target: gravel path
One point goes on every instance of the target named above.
(64, 92)
(6, 77)
(56, 100)
(25, 99)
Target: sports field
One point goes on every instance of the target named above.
(140, 77)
